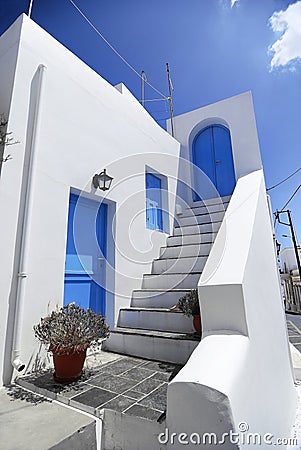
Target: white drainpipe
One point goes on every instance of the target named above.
(28, 206)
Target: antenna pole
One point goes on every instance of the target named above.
(30, 8)
(143, 78)
(170, 87)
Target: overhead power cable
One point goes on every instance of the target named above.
(291, 197)
(284, 206)
(114, 50)
(285, 179)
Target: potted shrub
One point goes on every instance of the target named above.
(189, 305)
(68, 332)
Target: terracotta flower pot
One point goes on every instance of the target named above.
(68, 367)
(197, 323)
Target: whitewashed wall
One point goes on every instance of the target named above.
(241, 372)
(85, 125)
(288, 259)
(237, 114)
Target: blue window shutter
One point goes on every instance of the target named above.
(154, 218)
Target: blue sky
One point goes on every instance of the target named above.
(215, 49)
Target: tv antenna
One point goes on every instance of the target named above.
(170, 87)
(169, 98)
(30, 8)
(143, 80)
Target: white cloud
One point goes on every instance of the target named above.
(288, 47)
(233, 3)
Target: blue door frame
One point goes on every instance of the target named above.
(86, 254)
(154, 217)
(212, 153)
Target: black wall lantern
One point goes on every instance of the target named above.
(102, 181)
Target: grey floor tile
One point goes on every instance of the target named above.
(99, 377)
(118, 367)
(142, 411)
(148, 385)
(119, 403)
(138, 373)
(136, 360)
(113, 383)
(157, 399)
(160, 366)
(71, 391)
(134, 394)
(94, 397)
(163, 376)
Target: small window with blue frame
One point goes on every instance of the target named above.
(154, 216)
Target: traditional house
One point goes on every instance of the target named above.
(181, 213)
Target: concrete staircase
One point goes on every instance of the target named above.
(148, 328)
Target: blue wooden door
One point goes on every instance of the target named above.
(154, 218)
(85, 254)
(212, 153)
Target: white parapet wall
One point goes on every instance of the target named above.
(239, 379)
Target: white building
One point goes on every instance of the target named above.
(71, 125)
(289, 260)
(290, 279)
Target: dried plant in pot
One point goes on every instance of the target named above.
(68, 332)
(189, 305)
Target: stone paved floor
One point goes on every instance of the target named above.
(130, 385)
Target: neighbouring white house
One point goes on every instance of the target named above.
(290, 279)
(289, 261)
(182, 212)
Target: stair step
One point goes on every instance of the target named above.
(159, 319)
(191, 239)
(211, 201)
(179, 265)
(155, 345)
(201, 219)
(211, 227)
(184, 251)
(153, 298)
(171, 281)
(159, 310)
(200, 210)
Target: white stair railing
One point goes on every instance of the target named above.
(239, 378)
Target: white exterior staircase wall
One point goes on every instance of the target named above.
(241, 371)
(148, 327)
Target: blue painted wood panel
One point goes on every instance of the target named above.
(86, 254)
(212, 153)
(224, 167)
(154, 217)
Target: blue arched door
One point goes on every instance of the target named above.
(212, 153)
